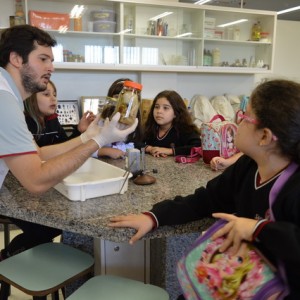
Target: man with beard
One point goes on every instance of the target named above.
(26, 65)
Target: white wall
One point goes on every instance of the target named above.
(72, 85)
(287, 51)
(7, 8)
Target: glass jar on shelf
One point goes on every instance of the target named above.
(256, 31)
(19, 14)
(216, 57)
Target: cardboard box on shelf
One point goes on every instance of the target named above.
(218, 34)
(49, 20)
(209, 22)
(209, 33)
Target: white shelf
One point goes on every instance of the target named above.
(169, 48)
(163, 68)
(80, 34)
(155, 37)
(223, 41)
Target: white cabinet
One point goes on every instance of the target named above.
(122, 259)
(133, 37)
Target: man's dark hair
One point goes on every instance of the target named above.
(21, 39)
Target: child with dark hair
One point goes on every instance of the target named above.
(269, 137)
(42, 119)
(169, 129)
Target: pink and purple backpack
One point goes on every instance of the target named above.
(217, 138)
(206, 274)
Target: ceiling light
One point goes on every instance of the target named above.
(201, 2)
(76, 11)
(167, 13)
(288, 10)
(233, 23)
(184, 34)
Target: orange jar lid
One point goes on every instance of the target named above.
(133, 84)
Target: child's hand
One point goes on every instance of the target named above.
(111, 152)
(87, 118)
(218, 163)
(160, 152)
(236, 231)
(142, 223)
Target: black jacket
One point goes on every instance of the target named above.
(53, 132)
(181, 142)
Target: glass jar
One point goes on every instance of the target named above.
(19, 15)
(216, 57)
(108, 108)
(129, 102)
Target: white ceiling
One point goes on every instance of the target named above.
(274, 5)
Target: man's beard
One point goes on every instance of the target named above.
(28, 77)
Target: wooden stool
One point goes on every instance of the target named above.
(109, 287)
(44, 269)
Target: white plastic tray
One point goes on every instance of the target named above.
(94, 178)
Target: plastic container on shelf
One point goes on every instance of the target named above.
(103, 15)
(264, 37)
(104, 26)
(229, 33)
(129, 102)
(236, 34)
(128, 23)
(207, 58)
(216, 57)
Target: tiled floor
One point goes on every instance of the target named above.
(15, 293)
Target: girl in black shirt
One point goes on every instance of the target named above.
(169, 129)
(269, 137)
(42, 119)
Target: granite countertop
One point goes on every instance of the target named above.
(90, 217)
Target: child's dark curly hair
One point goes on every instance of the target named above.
(182, 122)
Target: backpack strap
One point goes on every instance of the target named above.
(277, 186)
(196, 153)
(279, 183)
(216, 117)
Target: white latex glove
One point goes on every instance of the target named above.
(112, 131)
(93, 130)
